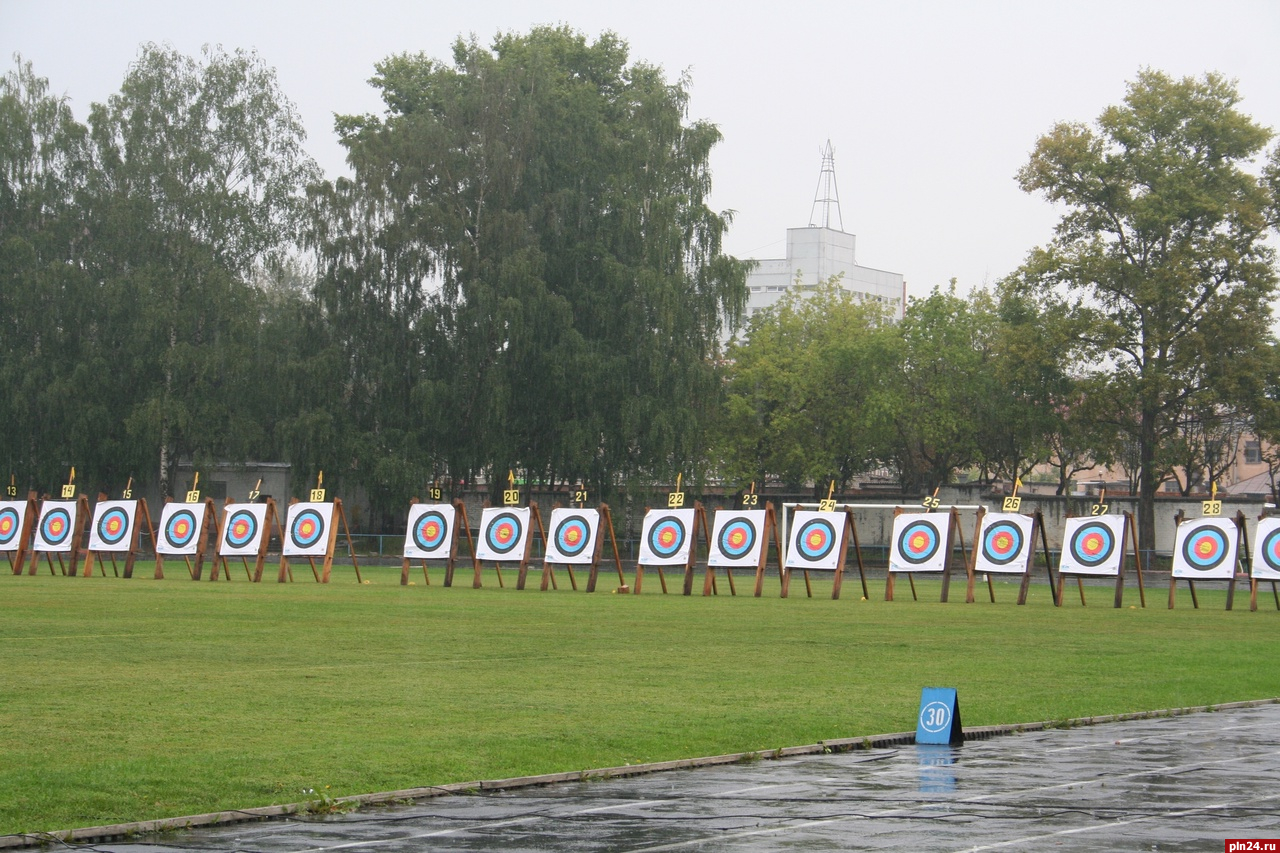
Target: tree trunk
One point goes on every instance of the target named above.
(1147, 482)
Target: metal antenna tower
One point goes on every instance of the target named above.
(827, 194)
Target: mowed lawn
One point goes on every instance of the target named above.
(134, 699)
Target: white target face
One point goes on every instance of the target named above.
(242, 530)
(1206, 549)
(181, 526)
(112, 527)
(55, 529)
(13, 517)
(919, 542)
(308, 530)
(1266, 550)
(504, 533)
(815, 540)
(1004, 543)
(1093, 545)
(571, 536)
(667, 537)
(737, 537)
(429, 534)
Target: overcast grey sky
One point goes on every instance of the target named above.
(930, 106)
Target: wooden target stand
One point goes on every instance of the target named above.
(140, 515)
(675, 500)
(1254, 581)
(1037, 531)
(208, 514)
(848, 533)
(1242, 543)
(511, 501)
(323, 573)
(948, 567)
(459, 523)
(605, 523)
(270, 525)
(20, 541)
(1131, 537)
(77, 533)
(770, 533)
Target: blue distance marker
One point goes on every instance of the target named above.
(939, 720)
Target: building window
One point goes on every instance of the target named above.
(1252, 452)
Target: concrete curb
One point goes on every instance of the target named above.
(132, 830)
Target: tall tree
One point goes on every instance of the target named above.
(529, 233)
(1162, 246)
(44, 287)
(797, 391)
(937, 403)
(200, 177)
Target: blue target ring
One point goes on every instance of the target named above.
(1092, 544)
(113, 526)
(9, 525)
(242, 528)
(504, 533)
(1001, 543)
(1271, 550)
(737, 538)
(55, 527)
(667, 536)
(919, 542)
(307, 528)
(815, 539)
(180, 529)
(1205, 548)
(572, 535)
(431, 530)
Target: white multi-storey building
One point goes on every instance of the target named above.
(814, 255)
(817, 253)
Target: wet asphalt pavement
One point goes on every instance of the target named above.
(1170, 784)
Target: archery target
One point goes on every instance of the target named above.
(1205, 548)
(1004, 543)
(919, 543)
(308, 529)
(504, 532)
(13, 515)
(666, 537)
(737, 537)
(573, 536)
(1266, 550)
(54, 530)
(180, 526)
(112, 527)
(242, 528)
(1093, 545)
(816, 540)
(430, 532)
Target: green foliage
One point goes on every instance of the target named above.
(1161, 249)
(797, 391)
(524, 268)
(200, 181)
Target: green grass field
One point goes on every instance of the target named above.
(135, 699)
